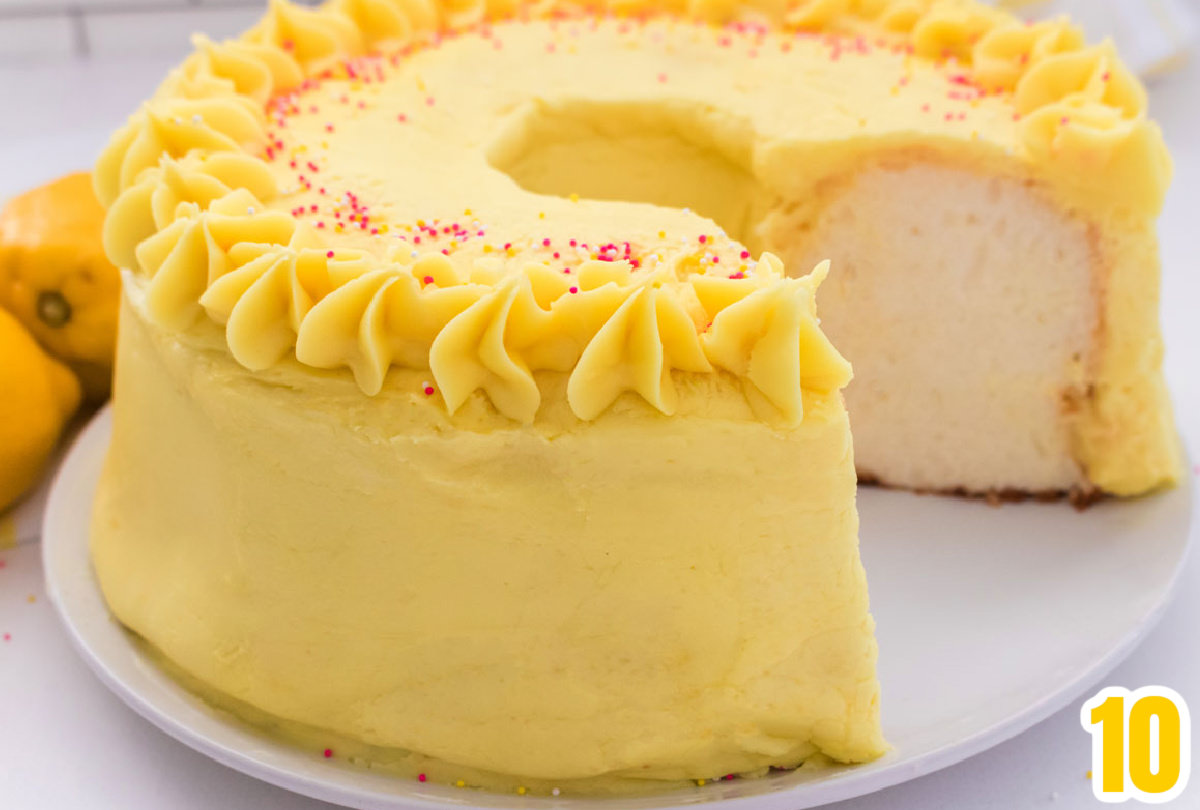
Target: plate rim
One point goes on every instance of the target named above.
(889, 770)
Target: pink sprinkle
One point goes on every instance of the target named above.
(662, 78)
(1105, 77)
(745, 254)
(429, 101)
(573, 290)
(428, 393)
(329, 254)
(427, 280)
(1064, 120)
(420, 777)
(402, 118)
(328, 753)
(703, 239)
(329, 127)
(7, 637)
(545, 243)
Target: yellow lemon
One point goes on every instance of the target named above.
(37, 397)
(55, 278)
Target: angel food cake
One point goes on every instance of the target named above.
(471, 399)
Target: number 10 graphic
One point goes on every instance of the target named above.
(1141, 743)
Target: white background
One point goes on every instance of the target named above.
(65, 742)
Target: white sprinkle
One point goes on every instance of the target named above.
(554, 792)
(197, 119)
(413, 254)
(250, 210)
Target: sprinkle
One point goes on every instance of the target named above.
(662, 78)
(546, 242)
(555, 792)
(703, 239)
(573, 290)
(328, 753)
(700, 782)
(31, 599)
(460, 783)
(329, 254)
(329, 127)
(7, 637)
(427, 280)
(745, 254)
(521, 790)
(420, 777)
(573, 197)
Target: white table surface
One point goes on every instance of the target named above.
(66, 742)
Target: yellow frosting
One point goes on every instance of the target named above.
(1011, 97)
(599, 606)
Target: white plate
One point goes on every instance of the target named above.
(989, 620)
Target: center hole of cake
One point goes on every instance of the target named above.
(671, 156)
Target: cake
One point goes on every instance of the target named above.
(471, 400)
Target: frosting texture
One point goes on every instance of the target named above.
(192, 211)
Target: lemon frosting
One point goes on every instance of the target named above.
(220, 187)
(460, 596)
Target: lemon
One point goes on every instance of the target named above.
(37, 397)
(55, 278)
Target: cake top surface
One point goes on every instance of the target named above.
(380, 183)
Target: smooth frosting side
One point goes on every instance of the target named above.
(488, 594)
(190, 196)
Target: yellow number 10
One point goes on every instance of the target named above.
(1141, 743)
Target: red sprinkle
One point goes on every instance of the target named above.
(428, 279)
(329, 254)
(328, 753)
(428, 393)
(420, 777)
(573, 290)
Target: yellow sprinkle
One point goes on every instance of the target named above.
(420, 223)
(487, 248)
(460, 783)
(662, 234)
(31, 599)
(895, 91)
(521, 790)
(338, 227)
(700, 782)
(574, 197)
(453, 243)
(541, 214)
(466, 212)
(324, 144)
(383, 228)
(1089, 774)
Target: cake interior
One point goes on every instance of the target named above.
(968, 304)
